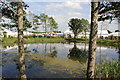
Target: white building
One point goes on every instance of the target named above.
(103, 34)
(114, 36)
(6, 31)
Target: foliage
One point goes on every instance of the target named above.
(85, 24)
(76, 26)
(108, 69)
(109, 10)
(46, 22)
(77, 54)
(7, 12)
(52, 24)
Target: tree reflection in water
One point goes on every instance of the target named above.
(53, 52)
(78, 54)
(21, 66)
(119, 53)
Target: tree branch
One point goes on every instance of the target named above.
(9, 7)
(108, 12)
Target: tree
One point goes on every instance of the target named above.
(36, 22)
(53, 25)
(92, 42)
(85, 25)
(75, 26)
(44, 19)
(9, 9)
(107, 10)
(21, 40)
(77, 54)
(18, 16)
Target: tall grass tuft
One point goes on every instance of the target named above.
(108, 70)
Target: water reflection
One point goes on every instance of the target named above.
(119, 53)
(53, 52)
(21, 65)
(52, 60)
(78, 54)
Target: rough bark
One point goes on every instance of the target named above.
(21, 41)
(92, 42)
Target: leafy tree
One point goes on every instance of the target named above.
(36, 22)
(76, 26)
(9, 9)
(44, 19)
(109, 10)
(85, 25)
(106, 10)
(53, 25)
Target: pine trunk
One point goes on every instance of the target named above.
(92, 42)
(21, 41)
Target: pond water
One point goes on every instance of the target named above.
(53, 60)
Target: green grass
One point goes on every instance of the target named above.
(108, 42)
(103, 42)
(9, 41)
(44, 40)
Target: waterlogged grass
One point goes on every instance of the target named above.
(58, 65)
(108, 70)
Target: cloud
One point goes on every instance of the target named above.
(61, 11)
(66, 5)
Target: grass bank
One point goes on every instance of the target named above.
(11, 41)
(104, 42)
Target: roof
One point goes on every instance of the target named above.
(68, 32)
(102, 32)
(115, 34)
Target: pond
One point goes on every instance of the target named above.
(53, 60)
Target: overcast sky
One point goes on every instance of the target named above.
(63, 11)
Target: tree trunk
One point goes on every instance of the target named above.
(75, 36)
(92, 42)
(45, 27)
(21, 41)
